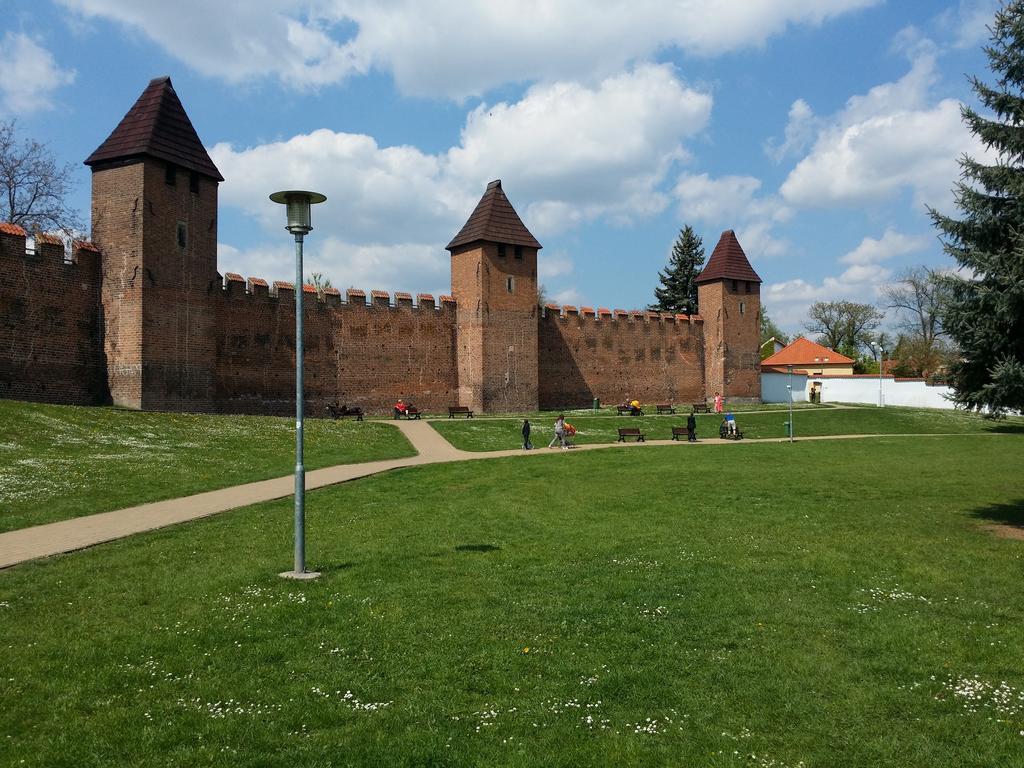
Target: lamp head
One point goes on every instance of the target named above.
(297, 203)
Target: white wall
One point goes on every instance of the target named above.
(855, 389)
(774, 387)
(862, 389)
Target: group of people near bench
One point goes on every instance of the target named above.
(564, 431)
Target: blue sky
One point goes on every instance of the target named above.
(817, 129)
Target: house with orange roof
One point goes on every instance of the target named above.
(806, 355)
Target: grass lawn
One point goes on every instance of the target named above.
(814, 604)
(498, 434)
(58, 462)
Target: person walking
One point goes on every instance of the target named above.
(730, 424)
(691, 427)
(718, 403)
(559, 433)
(527, 445)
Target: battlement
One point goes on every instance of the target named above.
(236, 287)
(568, 311)
(49, 249)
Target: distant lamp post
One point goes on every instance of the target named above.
(881, 355)
(299, 224)
(790, 388)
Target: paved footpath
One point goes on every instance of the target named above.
(68, 535)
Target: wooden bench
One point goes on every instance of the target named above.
(459, 410)
(701, 408)
(412, 412)
(665, 408)
(678, 432)
(625, 432)
(336, 411)
(628, 410)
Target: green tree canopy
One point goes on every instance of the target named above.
(984, 309)
(769, 330)
(844, 326)
(678, 289)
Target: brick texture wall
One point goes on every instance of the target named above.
(118, 206)
(614, 355)
(355, 353)
(50, 324)
(732, 338)
(497, 327)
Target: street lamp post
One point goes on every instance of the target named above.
(299, 224)
(881, 354)
(790, 388)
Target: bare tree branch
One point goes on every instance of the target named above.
(917, 296)
(34, 186)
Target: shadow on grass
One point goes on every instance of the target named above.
(1011, 513)
(1013, 428)
(476, 548)
(332, 567)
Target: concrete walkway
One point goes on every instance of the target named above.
(68, 535)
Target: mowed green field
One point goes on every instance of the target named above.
(814, 604)
(58, 462)
(493, 434)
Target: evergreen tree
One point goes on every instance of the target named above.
(984, 311)
(678, 289)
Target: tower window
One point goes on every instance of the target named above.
(735, 285)
(510, 284)
(746, 286)
(518, 252)
(501, 250)
(193, 183)
(743, 307)
(170, 175)
(182, 234)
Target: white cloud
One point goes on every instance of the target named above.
(30, 75)
(578, 153)
(892, 243)
(968, 23)
(438, 48)
(801, 128)
(733, 202)
(411, 267)
(566, 154)
(240, 39)
(567, 296)
(554, 265)
(396, 193)
(885, 142)
(787, 302)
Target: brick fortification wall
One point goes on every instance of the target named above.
(355, 353)
(51, 339)
(612, 355)
(732, 339)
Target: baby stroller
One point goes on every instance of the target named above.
(725, 434)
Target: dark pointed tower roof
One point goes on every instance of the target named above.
(157, 126)
(728, 262)
(495, 220)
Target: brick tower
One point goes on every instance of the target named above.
(154, 217)
(494, 282)
(729, 295)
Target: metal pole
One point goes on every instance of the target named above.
(881, 354)
(791, 403)
(300, 471)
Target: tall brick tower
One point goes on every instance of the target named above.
(154, 217)
(494, 282)
(729, 295)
